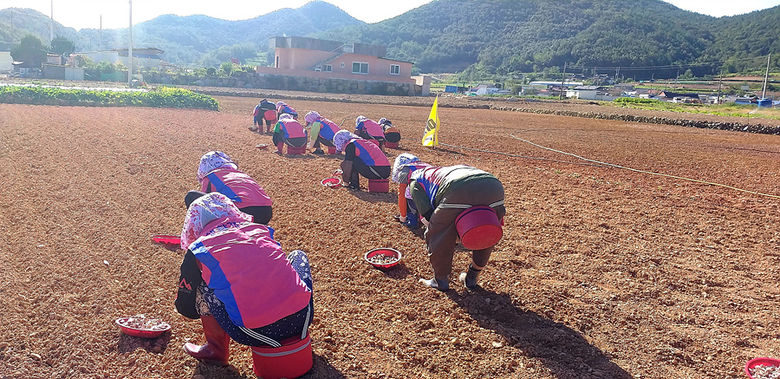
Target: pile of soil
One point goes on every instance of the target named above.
(602, 272)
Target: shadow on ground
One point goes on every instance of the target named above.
(561, 349)
(128, 344)
(321, 369)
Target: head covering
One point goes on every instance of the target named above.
(286, 116)
(311, 117)
(280, 103)
(360, 119)
(384, 121)
(401, 161)
(341, 138)
(205, 209)
(212, 161)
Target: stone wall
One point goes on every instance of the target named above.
(292, 83)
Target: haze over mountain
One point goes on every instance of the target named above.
(486, 36)
(185, 40)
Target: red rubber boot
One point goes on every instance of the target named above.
(217, 347)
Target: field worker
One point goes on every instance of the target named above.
(283, 108)
(218, 173)
(361, 157)
(264, 111)
(238, 281)
(321, 131)
(369, 129)
(403, 167)
(458, 201)
(392, 134)
(290, 132)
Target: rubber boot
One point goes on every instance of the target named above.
(279, 148)
(217, 347)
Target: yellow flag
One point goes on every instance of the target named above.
(431, 136)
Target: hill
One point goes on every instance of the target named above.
(481, 37)
(189, 39)
(504, 36)
(15, 23)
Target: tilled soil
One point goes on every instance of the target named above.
(602, 272)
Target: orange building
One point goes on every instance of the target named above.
(300, 56)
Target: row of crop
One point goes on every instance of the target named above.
(161, 98)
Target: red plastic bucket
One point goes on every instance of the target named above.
(391, 145)
(291, 360)
(379, 185)
(479, 228)
(331, 150)
(760, 361)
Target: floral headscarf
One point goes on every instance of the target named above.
(341, 138)
(401, 161)
(286, 116)
(205, 209)
(360, 119)
(212, 161)
(311, 117)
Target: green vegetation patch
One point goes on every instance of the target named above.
(731, 109)
(164, 97)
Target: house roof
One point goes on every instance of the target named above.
(670, 94)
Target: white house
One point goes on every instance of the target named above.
(589, 93)
(6, 62)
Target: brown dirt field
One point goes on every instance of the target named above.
(446, 100)
(602, 273)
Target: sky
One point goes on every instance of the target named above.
(81, 14)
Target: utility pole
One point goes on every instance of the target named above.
(617, 72)
(720, 82)
(766, 76)
(563, 80)
(100, 34)
(51, 23)
(130, 48)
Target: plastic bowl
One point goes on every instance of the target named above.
(262, 146)
(393, 254)
(331, 182)
(760, 361)
(123, 324)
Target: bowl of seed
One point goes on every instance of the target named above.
(383, 257)
(763, 368)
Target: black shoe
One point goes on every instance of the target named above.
(318, 152)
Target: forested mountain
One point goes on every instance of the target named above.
(503, 36)
(190, 39)
(15, 23)
(485, 36)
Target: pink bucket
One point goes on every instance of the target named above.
(479, 228)
(379, 185)
(391, 145)
(291, 360)
(331, 150)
